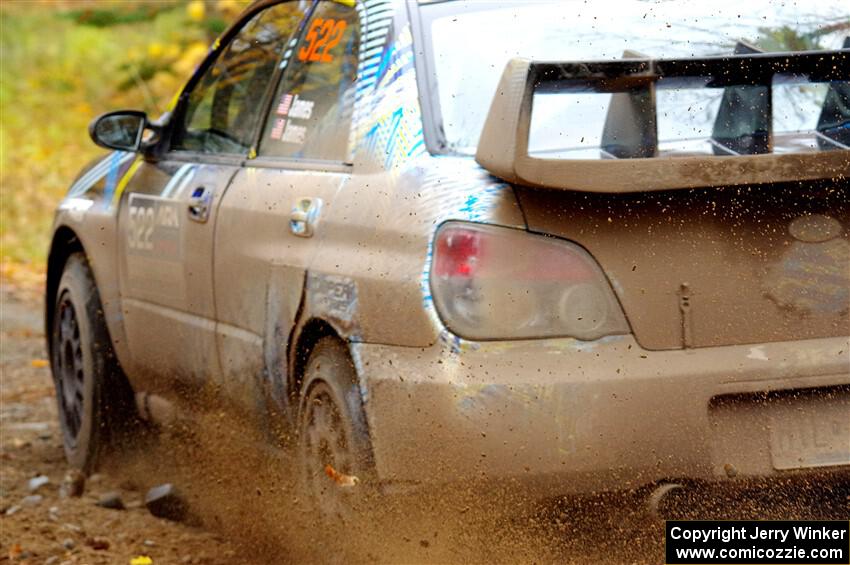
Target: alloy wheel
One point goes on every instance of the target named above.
(68, 360)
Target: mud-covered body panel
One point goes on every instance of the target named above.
(570, 417)
(715, 267)
(385, 247)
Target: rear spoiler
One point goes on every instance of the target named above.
(744, 147)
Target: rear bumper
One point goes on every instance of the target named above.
(574, 417)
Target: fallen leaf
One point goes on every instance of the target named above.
(39, 363)
(15, 551)
(341, 479)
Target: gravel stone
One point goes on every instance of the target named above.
(36, 483)
(32, 500)
(164, 501)
(111, 500)
(73, 485)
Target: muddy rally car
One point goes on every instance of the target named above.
(433, 245)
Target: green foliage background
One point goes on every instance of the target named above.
(64, 62)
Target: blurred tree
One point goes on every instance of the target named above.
(64, 62)
(788, 38)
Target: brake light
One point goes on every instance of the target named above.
(458, 251)
(501, 283)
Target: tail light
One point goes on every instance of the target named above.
(500, 283)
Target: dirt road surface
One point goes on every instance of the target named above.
(42, 526)
(245, 512)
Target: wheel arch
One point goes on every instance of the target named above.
(310, 334)
(307, 335)
(115, 400)
(64, 244)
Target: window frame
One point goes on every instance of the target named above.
(426, 71)
(278, 161)
(175, 119)
(426, 79)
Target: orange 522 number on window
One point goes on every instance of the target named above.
(322, 36)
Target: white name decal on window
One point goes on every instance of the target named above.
(294, 134)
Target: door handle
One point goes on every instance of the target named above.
(304, 217)
(199, 204)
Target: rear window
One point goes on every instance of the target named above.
(471, 42)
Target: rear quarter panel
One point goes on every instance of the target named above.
(377, 234)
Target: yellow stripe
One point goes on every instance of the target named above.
(122, 184)
(349, 3)
(173, 103)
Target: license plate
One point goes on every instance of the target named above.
(810, 433)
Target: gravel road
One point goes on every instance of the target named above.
(244, 512)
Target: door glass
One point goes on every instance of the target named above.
(224, 108)
(310, 114)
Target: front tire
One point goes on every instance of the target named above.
(94, 399)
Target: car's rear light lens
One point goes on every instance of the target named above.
(501, 283)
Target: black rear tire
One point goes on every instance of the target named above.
(333, 432)
(95, 402)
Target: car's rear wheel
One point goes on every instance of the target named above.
(94, 399)
(336, 464)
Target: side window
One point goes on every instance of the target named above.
(224, 108)
(310, 116)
